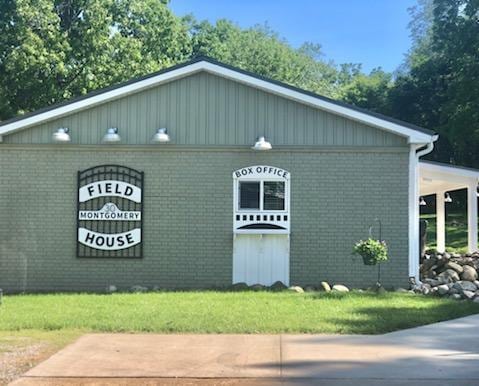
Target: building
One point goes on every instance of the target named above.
(168, 181)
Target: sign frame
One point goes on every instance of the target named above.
(113, 178)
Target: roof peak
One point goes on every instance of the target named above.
(235, 73)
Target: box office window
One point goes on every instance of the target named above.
(273, 195)
(249, 195)
(261, 195)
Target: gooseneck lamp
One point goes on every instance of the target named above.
(61, 135)
(161, 136)
(112, 136)
(262, 144)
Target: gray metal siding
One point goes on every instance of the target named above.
(205, 109)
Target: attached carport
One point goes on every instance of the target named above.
(439, 179)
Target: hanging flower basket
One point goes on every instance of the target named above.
(372, 251)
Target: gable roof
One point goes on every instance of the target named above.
(413, 133)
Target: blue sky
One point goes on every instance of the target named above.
(371, 32)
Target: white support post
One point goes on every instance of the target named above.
(472, 217)
(440, 222)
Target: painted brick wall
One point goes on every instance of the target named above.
(336, 195)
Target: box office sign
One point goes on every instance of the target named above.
(110, 212)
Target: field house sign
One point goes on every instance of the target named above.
(110, 212)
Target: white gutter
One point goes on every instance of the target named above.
(414, 154)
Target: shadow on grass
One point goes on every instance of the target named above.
(386, 316)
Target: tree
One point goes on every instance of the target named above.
(51, 50)
(260, 50)
(367, 91)
(440, 90)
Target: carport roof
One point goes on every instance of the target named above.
(436, 177)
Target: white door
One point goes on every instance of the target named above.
(261, 259)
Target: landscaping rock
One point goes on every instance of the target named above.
(426, 289)
(401, 290)
(239, 287)
(468, 295)
(428, 264)
(296, 288)
(450, 275)
(325, 286)
(278, 286)
(433, 282)
(453, 291)
(465, 286)
(469, 273)
(340, 288)
(456, 267)
(257, 287)
(111, 289)
(442, 289)
(476, 300)
(138, 288)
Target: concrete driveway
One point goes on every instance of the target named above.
(445, 353)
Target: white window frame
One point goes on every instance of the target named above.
(261, 195)
(278, 215)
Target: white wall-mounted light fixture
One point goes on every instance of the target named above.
(161, 136)
(447, 198)
(262, 144)
(61, 135)
(422, 202)
(112, 136)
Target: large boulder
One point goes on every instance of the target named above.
(433, 282)
(456, 267)
(257, 287)
(340, 288)
(239, 287)
(296, 288)
(465, 286)
(278, 286)
(428, 264)
(443, 289)
(325, 286)
(468, 295)
(449, 275)
(469, 273)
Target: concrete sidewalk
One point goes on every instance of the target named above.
(445, 353)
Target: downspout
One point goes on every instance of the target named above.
(415, 153)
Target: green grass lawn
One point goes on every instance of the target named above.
(227, 312)
(456, 232)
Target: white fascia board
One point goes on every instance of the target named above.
(446, 172)
(413, 136)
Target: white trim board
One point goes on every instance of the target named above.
(413, 136)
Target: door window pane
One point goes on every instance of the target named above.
(273, 195)
(249, 195)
